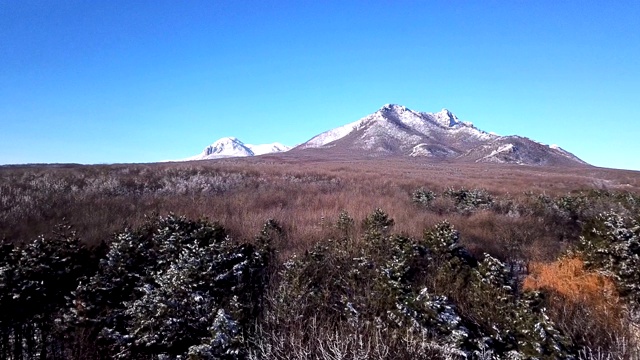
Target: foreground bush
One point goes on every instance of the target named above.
(583, 303)
(612, 243)
(171, 289)
(359, 296)
(36, 282)
(181, 289)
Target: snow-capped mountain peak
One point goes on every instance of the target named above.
(393, 107)
(395, 130)
(398, 131)
(446, 118)
(228, 147)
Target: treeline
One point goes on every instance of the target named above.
(175, 288)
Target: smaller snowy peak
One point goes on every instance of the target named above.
(228, 147)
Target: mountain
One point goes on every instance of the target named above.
(395, 130)
(232, 147)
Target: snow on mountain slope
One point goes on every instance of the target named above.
(427, 150)
(267, 148)
(566, 154)
(228, 147)
(399, 131)
(395, 129)
(393, 120)
(520, 150)
(331, 135)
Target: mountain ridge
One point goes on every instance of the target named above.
(395, 130)
(399, 131)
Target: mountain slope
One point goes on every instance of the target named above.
(395, 130)
(520, 150)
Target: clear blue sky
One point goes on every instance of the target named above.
(141, 81)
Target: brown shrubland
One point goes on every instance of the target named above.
(585, 304)
(304, 195)
(536, 215)
(569, 278)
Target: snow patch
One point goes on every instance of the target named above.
(503, 148)
(506, 148)
(420, 150)
(427, 150)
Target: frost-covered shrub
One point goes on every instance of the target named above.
(470, 200)
(377, 223)
(612, 243)
(375, 285)
(423, 197)
(345, 224)
(430, 288)
(572, 205)
(191, 183)
(513, 323)
(499, 318)
(36, 283)
(571, 212)
(315, 340)
(174, 288)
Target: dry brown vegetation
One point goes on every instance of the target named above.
(304, 195)
(585, 303)
(569, 278)
(527, 217)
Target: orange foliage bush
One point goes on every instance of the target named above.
(584, 304)
(569, 278)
